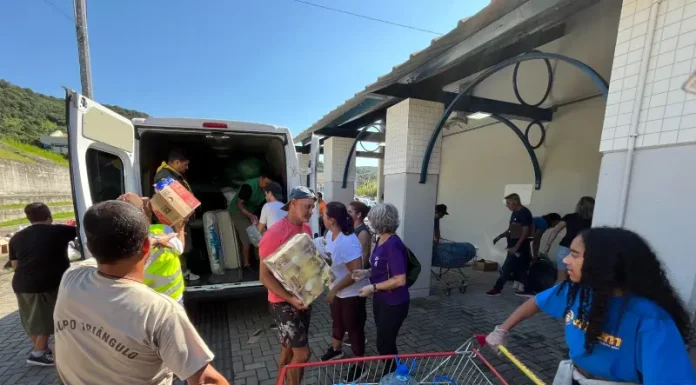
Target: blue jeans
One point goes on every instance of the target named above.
(560, 255)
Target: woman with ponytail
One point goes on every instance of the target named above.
(344, 254)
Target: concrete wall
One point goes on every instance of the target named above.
(659, 206)
(31, 179)
(477, 163)
(660, 190)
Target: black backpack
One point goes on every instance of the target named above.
(413, 268)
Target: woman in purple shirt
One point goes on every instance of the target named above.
(387, 277)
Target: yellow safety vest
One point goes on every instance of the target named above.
(163, 269)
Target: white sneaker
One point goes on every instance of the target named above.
(189, 276)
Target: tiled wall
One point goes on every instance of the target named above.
(409, 126)
(335, 155)
(667, 113)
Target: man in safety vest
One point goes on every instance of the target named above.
(175, 167)
(245, 208)
(163, 267)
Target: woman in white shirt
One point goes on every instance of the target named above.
(347, 307)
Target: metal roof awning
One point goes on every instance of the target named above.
(504, 29)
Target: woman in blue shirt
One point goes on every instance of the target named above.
(624, 321)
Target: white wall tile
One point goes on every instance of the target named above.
(689, 108)
(651, 140)
(653, 126)
(630, 82)
(675, 4)
(656, 113)
(609, 122)
(682, 68)
(686, 39)
(688, 135)
(665, 59)
(606, 145)
(673, 17)
(689, 10)
(670, 124)
(675, 96)
(660, 87)
(684, 53)
(677, 82)
(658, 100)
(608, 133)
(620, 143)
(642, 4)
(688, 25)
(672, 110)
(620, 61)
(626, 107)
(621, 131)
(663, 73)
(670, 31)
(669, 137)
(622, 48)
(624, 119)
(688, 121)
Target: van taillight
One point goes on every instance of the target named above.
(214, 125)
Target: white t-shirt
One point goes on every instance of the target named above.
(118, 331)
(271, 213)
(344, 249)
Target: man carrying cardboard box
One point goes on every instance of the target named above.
(175, 167)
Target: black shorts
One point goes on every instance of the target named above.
(292, 324)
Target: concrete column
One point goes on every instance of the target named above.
(409, 126)
(303, 167)
(661, 169)
(335, 156)
(380, 180)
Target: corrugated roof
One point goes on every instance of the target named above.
(464, 29)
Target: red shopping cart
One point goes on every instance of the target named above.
(465, 366)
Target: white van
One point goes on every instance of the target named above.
(110, 155)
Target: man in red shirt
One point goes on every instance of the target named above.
(289, 313)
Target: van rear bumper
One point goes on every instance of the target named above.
(223, 291)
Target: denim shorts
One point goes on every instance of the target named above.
(560, 256)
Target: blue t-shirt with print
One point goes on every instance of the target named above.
(640, 341)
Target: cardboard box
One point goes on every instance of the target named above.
(300, 269)
(173, 203)
(483, 265)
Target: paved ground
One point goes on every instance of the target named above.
(246, 352)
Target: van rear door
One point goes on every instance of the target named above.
(101, 147)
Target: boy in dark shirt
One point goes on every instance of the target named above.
(519, 253)
(39, 256)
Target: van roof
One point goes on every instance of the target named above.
(209, 124)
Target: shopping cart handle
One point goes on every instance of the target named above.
(481, 340)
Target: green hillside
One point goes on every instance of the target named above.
(26, 115)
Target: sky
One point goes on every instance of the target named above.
(269, 61)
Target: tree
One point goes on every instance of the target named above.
(367, 189)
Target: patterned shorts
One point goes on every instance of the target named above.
(293, 324)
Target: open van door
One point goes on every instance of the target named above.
(313, 166)
(101, 147)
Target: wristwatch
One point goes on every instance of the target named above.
(374, 286)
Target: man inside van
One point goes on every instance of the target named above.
(175, 167)
(245, 208)
(112, 329)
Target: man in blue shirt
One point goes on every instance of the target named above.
(440, 212)
(519, 252)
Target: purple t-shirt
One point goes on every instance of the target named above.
(388, 260)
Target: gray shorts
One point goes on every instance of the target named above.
(241, 222)
(36, 312)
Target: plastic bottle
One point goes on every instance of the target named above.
(399, 377)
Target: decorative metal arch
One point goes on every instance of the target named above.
(594, 76)
(344, 184)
